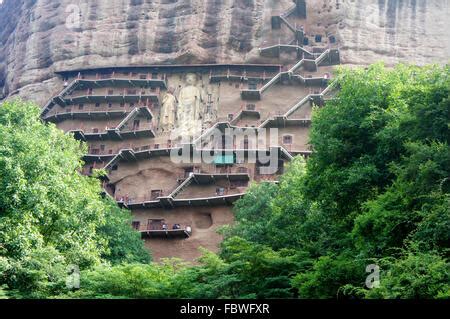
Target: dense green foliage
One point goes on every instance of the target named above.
(50, 215)
(380, 173)
(374, 192)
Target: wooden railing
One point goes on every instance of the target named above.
(126, 76)
(170, 227)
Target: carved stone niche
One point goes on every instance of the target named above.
(194, 107)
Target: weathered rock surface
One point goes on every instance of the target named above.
(414, 31)
(38, 37)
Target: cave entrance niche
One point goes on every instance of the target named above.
(203, 220)
(155, 224)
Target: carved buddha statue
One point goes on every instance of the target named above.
(190, 107)
(168, 110)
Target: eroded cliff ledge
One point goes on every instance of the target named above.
(39, 37)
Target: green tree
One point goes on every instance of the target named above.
(50, 215)
(415, 206)
(357, 136)
(415, 275)
(328, 275)
(142, 281)
(252, 213)
(124, 244)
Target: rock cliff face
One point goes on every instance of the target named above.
(414, 31)
(38, 37)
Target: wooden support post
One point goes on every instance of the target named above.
(299, 35)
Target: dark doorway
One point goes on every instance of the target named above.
(155, 224)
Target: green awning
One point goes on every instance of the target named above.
(224, 159)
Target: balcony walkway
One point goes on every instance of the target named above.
(85, 114)
(168, 202)
(169, 233)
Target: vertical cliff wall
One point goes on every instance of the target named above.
(414, 31)
(38, 37)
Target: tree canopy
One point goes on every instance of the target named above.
(51, 216)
